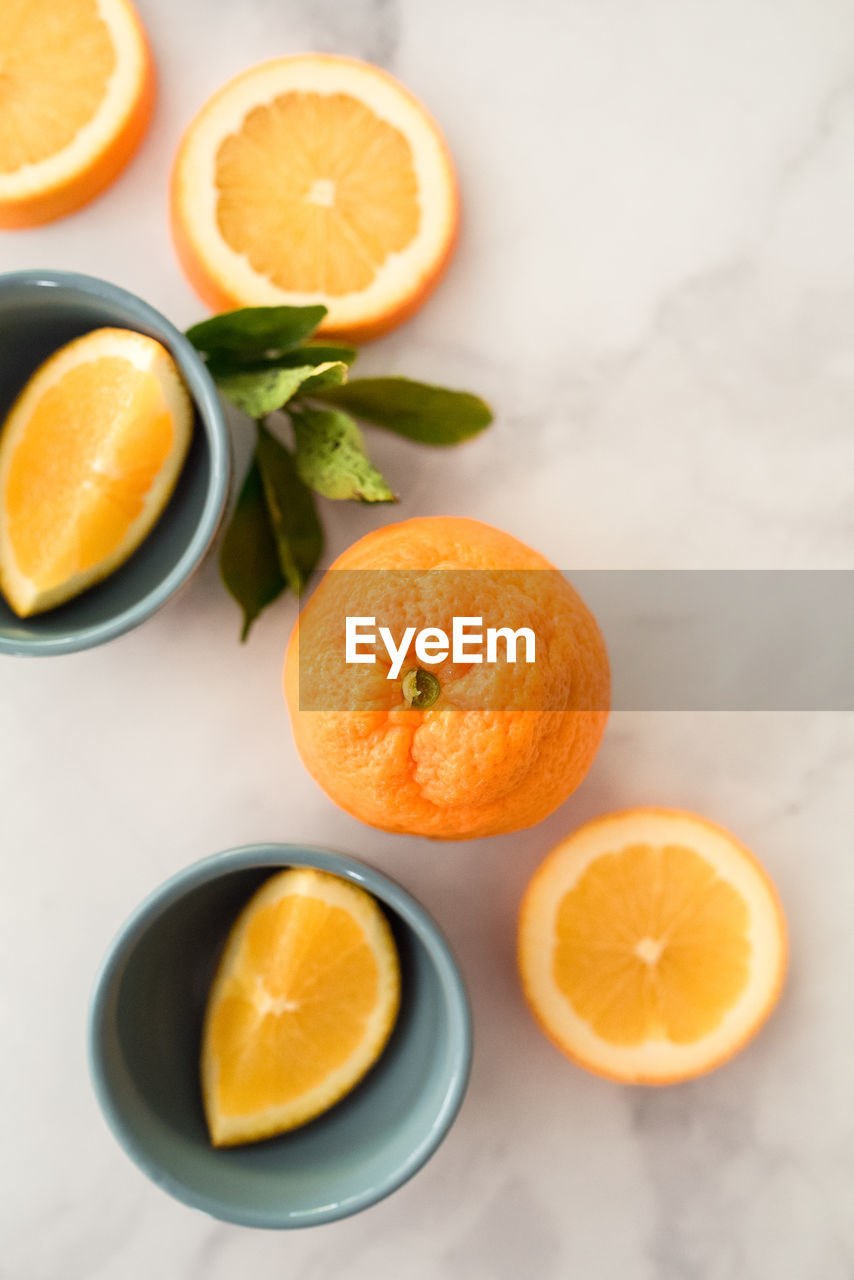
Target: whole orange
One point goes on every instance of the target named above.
(471, 748)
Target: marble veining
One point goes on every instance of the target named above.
(655, 288)
(364, 28)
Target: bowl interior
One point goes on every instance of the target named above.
(36, 319)
(147, 1046)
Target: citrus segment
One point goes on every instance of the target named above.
(302, 1005)
(343, 225)
(651, 945)
(315, 179)
(75, 98)
(89, 456)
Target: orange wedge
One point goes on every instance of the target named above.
(652, 946)
(76, 91)
(89, 455)
(315, 179)
(302, 1005)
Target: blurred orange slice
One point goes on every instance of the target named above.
(89, 456)
(302, 1005)
(652, 946)
(76, 90)
(315, 179)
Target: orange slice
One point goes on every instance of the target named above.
(303, 1003)
(76, 91)
(652, 946)
(315, 179)
(89, 456)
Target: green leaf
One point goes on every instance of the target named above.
(248, 561)
(255, 333)
(261, 393)
(222, 365)
(331, 457)
(292, 514)
(417, 410)
(332, 373)
(320, 353)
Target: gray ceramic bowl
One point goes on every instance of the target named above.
(39, 311)
(144, 1044)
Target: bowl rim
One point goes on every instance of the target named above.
(212, 419)
(390, 893)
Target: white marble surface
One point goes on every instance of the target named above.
(655, 287)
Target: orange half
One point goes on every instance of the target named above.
(315, 179)
(89, 456)
(76, 91)
(652, 946)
